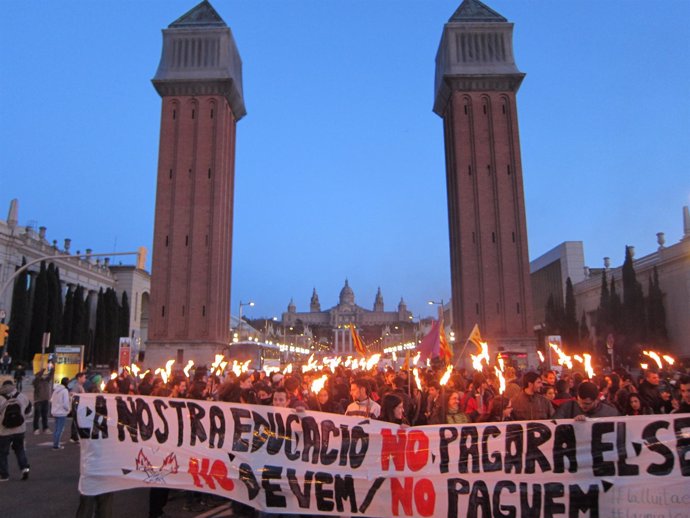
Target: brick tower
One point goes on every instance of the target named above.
(475, 94)
(200, 81)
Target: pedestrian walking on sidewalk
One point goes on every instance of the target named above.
(14, 407)
(60, 408)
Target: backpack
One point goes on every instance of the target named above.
(13, 413)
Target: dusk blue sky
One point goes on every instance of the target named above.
(340, 169)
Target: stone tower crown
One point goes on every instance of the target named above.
(475, 53)
(200, 57)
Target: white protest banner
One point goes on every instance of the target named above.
(317, 463)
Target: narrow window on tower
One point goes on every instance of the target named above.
(180, 356)
(209, 173)
(513, 237)
(182, 310)
(186, 240)
(473, 238)
(190, 172)
(174, 114)
(488, 169)
(498, 308)
(166, 240)
(518, 308)
(193, 113)
(493, 237)
(203, 311)
(206, 239)
(469, 170)
(170, 174)
(211, 113)
(465, 109)
(484, 108)
(508, 169)
(476, 306)
(504, 109)
(163, 311)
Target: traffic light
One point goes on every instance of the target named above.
(4, 332)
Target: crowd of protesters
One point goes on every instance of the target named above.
(390, 395)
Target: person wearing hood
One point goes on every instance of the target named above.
(60, 408)
(13, 428)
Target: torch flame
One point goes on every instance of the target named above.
(483, 355)
(190, 364)
(135, 369)
(501, 380)
(168, 367)
(446, 375)
(415, 371)
(644, 366)
(288, 369)
(318, 384)
(668, 359)
(563, 359)
(654, 356)
(373, 361)
(541, 356)
(415, 360)
(113, 375)
(501, 363)
(588, 365)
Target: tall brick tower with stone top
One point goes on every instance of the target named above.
(475, 94)
(200, 81)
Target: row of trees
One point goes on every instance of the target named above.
(40, 306)
(631, 321)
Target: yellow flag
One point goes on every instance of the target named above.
(475, 337)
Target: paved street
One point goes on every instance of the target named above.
(51, 491)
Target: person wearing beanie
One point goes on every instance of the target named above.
(13, 436)
(60, 408)
(586, 404)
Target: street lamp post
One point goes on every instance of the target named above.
(239, 323)
(440, 307)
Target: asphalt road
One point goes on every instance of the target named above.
(51, 490)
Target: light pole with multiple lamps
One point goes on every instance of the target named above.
(239, 323)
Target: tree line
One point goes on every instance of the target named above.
(40, 305)
(631, 321)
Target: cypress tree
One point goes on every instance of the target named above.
(87, 325)
(39, 311)
(100, 344)
(20, 317)
(112, 311)
(615, 309)
(633, 303)
(553, 316)
(78, 316)
(68, 317)
(124, 316)
(54, 310)
(656, 313)
(602, 324)
(583, 334)
(569, 328)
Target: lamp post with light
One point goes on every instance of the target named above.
(440, 307)
(239, 324)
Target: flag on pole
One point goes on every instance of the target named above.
(475, 337)
(406, 363)
(357, 341)
(445, 351)
(430, 347)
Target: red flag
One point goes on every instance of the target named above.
(357, 341)
(431, 343)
